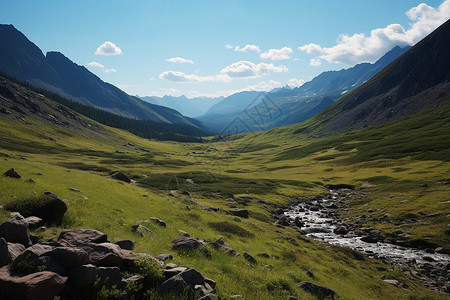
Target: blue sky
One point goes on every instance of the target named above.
(220, 47)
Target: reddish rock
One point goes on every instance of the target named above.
(37, 286)
(80, 237)
(69, 257)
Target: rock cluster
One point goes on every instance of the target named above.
(78, 260)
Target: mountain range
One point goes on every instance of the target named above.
(288, 106)
(191, 107)
(22, 59)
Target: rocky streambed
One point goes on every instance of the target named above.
(318, 219)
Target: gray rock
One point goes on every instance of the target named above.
(51, 210)
(341, 230)
(210, 297)
(84, 276)
(80, 237)
(69, 257)
(185, 243)
(173, 271)
(249, 258)
(284, 221)
(15, 249)
(158, 222)
(31, 254)
(175, 284)
(370, 239)
(184, 233)
(125, 244)
(164, 257)
(15, 230)
(317, 290)
(5, 257)
(122, 177)
(140, 229)
(239, 212)
(51, 265)
(34, 222)
(11, 173)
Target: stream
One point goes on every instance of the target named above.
(317, 220)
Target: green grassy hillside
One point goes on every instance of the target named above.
(260, 172)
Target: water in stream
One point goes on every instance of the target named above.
(320, 225)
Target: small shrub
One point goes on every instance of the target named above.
(149, 269)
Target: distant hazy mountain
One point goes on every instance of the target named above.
(23, 60)
(417, 80)
(286, 106)
(191, 107)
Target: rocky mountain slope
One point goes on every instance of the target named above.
(22, 59)
(416, 81)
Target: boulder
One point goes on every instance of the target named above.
(125, 244)
(69, 257)
(80, 237)
(250, 258)
(15, 249)
(122, 177)
(284, 221)
(298, 222)
(15, 230)
(317, 290)
(158, 222)
(5, 257)
(221, 245)
(167, 273)
(110, 255)
(185, 243)
(239, 212)
(84, 276)
(30, 255)
(41, 285)
(50, 264)
(370, 239)
(210, 297)
(140, 229)
(341, 230)
(34, 222)
(164, 257)
(11, 173)
(188, 281)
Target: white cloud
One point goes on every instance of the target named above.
(247, 48)
(263, 86)
(294, 82)
(108, 48)
(277, 54)
(180, 60)
(246, 69)
(359, 48)
(315, 62)
(95, 64)
(228, 46)
(111, 70)
(176, 76)
(238, 70)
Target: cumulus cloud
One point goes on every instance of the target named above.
(95, 64)
(238, 70)
(246, 69)
(228, 46)
(176, 76)
(277, 54)
(315, 62)
(108, 48)
(111, 70)
(294, 82)
(359, 48)
(247, 48)
(263, 86)
(180, 60)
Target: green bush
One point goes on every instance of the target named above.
(149, 269)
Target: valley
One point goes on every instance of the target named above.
(337, 188)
